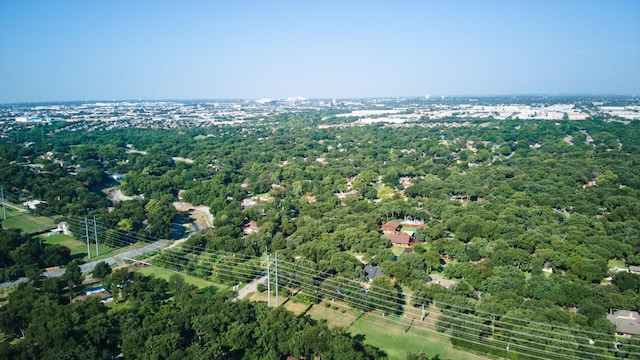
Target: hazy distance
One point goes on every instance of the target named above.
(73, 50)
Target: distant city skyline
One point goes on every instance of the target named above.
(118, 50)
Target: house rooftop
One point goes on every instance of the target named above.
(626, 322)
(400, 239)
(372, 272)
(392, 225)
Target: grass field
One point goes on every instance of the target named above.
(388, 334)
(296, 308)
(78, 248)
(334, 316)
(24, 221)
(29, 224)
(617, 263)
(165, 274)
(395, 335)
(262, 296)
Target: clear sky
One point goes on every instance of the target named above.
(136, 49)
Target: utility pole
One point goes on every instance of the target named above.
(4, 208)
(86, 230)
(493, 325)
(277, 300)
(268, 281)
(95, 235)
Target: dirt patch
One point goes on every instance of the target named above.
(115, 195)
(199, 214)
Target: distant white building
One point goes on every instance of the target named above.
(32, 204)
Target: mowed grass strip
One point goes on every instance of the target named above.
(396, 337)
(296, 308)
(165, 274)
(262, 297)
(79, 248)
(26, 222)
(338, 316)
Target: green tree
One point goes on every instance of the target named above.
(72, 276)
(383, 295)
(101, 270)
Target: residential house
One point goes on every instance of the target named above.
(32, 204)
(248, 202)
(627, 322)
(99, 292)
(251, 228)
(397, 238)
(391, 227)
(401, 239)
(371, 272)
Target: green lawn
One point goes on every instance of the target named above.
(334, 316)
(25, 222)
(617, 263)
(388, 334)
(296, 308)
(78, 248)
(397, 251)
(263, 197)
(262, 297)
(163, 273)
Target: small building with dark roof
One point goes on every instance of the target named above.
(371, 272)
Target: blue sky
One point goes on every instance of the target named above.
(104, 50)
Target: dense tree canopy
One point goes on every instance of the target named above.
(523, 215)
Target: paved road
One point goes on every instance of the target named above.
(251, 287)
(88, 267)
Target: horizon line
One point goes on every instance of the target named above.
(435, 97)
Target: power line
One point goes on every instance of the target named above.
(391, 308)
(461, 308)
(466, 324)
(458, 318)
(469, 323)
(4, 208)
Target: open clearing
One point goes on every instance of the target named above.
(26, 222)
(165, 274)
(388, 334)
(296, 308)
(395, 335)
(199, 214)
(78, 248)
(335, 316)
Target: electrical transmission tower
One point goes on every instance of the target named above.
(91, 233)
(272, 276)
(4, 208)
